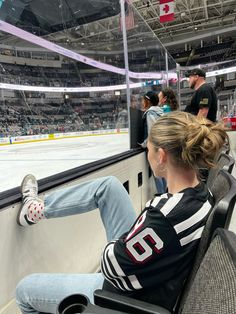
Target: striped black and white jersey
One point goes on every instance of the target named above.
(151, 261)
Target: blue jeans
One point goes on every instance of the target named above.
(41, 293)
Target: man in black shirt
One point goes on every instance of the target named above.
(204, 100)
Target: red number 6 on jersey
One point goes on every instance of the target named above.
(139, 246)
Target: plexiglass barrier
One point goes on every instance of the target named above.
(221, 76)
(72, 75)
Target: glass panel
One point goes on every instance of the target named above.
(172, 71)
(185, 91)
(147, 57)
(66, 62)
(222, 77)
(77, 52)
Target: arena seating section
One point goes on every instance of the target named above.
(24, 113)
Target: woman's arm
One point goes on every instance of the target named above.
(151, 119)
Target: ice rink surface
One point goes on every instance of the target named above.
(47, 158)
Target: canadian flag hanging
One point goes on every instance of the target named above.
(166, 11)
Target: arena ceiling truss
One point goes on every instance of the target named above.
(195, 20)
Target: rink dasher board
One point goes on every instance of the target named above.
(57, 136)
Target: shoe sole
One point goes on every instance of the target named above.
(25, 217)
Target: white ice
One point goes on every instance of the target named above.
(47, 158)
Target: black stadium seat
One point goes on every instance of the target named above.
(225, 162)
(214, 287)
(224, 191)
(213, 290)
(215, 268)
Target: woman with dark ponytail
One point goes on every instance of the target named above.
(167, 100)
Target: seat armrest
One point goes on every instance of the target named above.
(126, 304)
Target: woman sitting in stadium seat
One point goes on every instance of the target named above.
(147, 258)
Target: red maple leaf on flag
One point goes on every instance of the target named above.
(166, 11)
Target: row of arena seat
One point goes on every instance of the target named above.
(211, 286)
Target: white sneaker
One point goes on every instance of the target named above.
(29, 187)
(32, 209)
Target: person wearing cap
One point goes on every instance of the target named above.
(152, 112)
(204, 99)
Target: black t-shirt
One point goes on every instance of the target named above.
(204, 97)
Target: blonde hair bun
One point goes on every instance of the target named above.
(192, 141)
